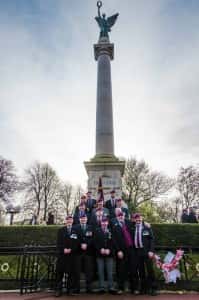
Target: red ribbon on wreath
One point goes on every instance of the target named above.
(167, 267)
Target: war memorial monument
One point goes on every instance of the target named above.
(104, 164)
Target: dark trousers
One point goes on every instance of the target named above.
(145, 270)
(68, 264)
(132, 268)
(86, 266)
(126, 268)
(121, 272)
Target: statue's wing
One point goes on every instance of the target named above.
(111, 20)
(99, 21)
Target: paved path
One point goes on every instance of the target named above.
(50, 296)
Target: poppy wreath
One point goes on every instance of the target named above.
(167, 267)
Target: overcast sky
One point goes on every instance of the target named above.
(48, 82)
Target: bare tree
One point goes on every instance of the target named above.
(50, 187)
(33, 186)
(188, 185)
(41, 185)
(66, 196)
(169, 210)
(8, 180)
(177, 209)
(140, 184)
(78, 191)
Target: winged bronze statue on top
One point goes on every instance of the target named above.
(104, 23)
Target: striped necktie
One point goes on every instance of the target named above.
(113, 202)
(84, 227)
(69, 230)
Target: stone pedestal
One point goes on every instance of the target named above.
(111, 171)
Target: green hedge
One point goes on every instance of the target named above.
(176, 235)
(167, 235)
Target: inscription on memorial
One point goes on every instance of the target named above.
(109, 182)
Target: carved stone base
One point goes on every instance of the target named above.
(111, 170)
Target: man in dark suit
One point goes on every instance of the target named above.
(50, 219)
(111, 204)
(125, 252)
(119, 208)
(192, 218)
(90, 202)
(79, 210)
(124, 209)
(85, 257)
(185, 216)
(144, 250)
(67, 246)
(103, 244)
(98, 213)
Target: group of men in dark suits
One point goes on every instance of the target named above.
(189, 215)
(98, 234)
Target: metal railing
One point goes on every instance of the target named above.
(32, 268)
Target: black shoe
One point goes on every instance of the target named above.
(120, 292)
(153, 292)
(89, 291)
(135, 292)
(58, 293)
(75, 293)
(101, 291)
(112, 291)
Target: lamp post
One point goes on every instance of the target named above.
(1, 213)
(12, 210)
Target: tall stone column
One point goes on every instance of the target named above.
(104, 164)
(104, 113)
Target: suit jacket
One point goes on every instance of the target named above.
(147, 238)
(103, 240)
(192, 218)
(66, 240)
(124, 210)
(76, 215)
(90, 205)
(86, 237)
(93, 219)
(118, 236)
(108, 204)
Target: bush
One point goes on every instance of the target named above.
(176, 235)
(26, 235)
(166, 235)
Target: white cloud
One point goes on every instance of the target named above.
(48, 84)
